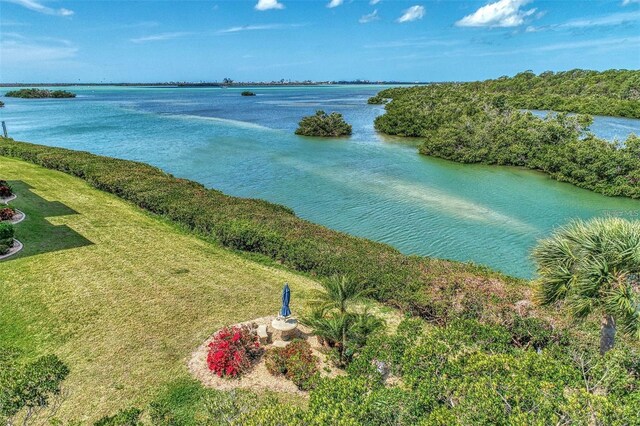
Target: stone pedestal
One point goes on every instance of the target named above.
(284, 328)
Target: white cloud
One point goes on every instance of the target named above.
(39, 7)
(370, 17)
(628, 2)
(374, 2)
(268, 4)
(18, 49)
(335, 3)
(503, 13)
(258, 28)
(412, 14)
(159, 37)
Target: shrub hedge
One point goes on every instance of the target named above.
(424, 286)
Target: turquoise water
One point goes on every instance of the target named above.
(368, 185)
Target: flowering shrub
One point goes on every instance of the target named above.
(232, 350)
(295, 361)
(7, 213)
(5, 189)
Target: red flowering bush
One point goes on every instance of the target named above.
(7, 213)
(5, 189)
(232, 350)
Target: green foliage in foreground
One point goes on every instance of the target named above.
(324, 125)
(435, 289)
(469, 123)
(39, 94)
(465, 373)
(594, 266)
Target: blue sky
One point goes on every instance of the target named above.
(263, 40)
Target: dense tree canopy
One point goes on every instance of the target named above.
(485, 123)
(324, 125)
(39, 94)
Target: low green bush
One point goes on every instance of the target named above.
(324, 125)
(6, 237)
(247, 93)
(39, 94)
(413, 283)
(295, 361)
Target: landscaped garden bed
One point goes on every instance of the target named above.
(6, 192)
(265, 371)
(11, 215)
(8, 244)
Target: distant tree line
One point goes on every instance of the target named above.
(39, 94)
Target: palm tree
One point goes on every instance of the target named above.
(332, 321)
(594, 266)
(338, 292)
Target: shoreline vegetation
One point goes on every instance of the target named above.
(324, 125)
(423, 286)
(483, 122)
(39, 94)
(486, 354)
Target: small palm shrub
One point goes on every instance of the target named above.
(295, 361)
(5, 189)
(232, 351)
(6, 237)
(333, 322)
(324, 125)
(247, 93)
(594, 268)
(7, 213)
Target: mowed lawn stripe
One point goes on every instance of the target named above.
(125, 309)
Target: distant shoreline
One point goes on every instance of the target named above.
(221, 85)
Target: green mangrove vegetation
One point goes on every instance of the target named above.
(39, 94)
(324, 125)
(484, 122)
(247, 93)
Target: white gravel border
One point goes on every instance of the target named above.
(17, 246)
(7, 199)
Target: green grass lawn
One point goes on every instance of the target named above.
(120, 296)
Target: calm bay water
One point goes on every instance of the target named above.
(368, 185)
